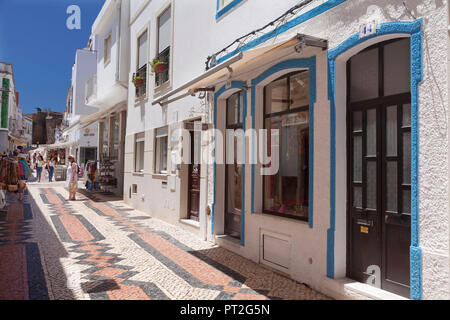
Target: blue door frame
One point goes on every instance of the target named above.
(414, 29)
(235, 85)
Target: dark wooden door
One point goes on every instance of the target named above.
(379, 187)
(234, 171)
(194, 183)
(233, 200)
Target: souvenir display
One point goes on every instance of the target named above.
(13, 173)
(92, 175)
(106, 176)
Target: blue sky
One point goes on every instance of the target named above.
(35, 40)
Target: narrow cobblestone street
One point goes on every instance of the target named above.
(98, 248)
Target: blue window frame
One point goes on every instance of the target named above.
(223, 6)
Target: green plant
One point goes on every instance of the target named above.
(155, 63)
(137, 79)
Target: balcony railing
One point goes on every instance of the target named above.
(162, 77)
(91, 88)
(141, 90)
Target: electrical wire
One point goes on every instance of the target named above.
(212, 59)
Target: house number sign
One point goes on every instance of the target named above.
(367, 29)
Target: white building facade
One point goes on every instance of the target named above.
(28, 130)
(153, 183)
(108, 89)
(81, 142)
(357, 95)
(11, 126)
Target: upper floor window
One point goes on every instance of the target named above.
(141, 72)
(224, 3)
(70, 100)
(223, 6)
(107, 49)
(164, 41)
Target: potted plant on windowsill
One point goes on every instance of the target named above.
(138, 81)
(158, 66)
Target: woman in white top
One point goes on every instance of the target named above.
(51, 169)
(72, 178)
(39, 165)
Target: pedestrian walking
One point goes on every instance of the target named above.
(51, 168)
(72, 178)
(39, 166)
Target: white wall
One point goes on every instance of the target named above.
(112, 76)
(85, 67)
(198, 34)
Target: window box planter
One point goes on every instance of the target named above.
(158, 66)
(138, 81)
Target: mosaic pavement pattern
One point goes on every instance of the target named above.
(99, 248)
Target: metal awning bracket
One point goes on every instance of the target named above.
(312, 41)
(190, 92)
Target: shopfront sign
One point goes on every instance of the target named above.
(87, 133)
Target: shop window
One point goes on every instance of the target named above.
(141, 72)
(161, 150)
(286, 193)
(107, 49)
(139, 152)
(235, 110)
(115, 127)
(104, 138)
(164, 41)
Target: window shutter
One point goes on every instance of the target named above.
(142, 43)
(164, 35)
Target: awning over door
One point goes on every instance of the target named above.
(61, 145)
(226, 70)
(100, 114)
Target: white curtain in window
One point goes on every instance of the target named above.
(164, 30)
(142, 45)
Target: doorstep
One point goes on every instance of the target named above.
(228, 239)
(191, 223)
(348, 289)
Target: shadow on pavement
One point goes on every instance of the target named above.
(52, 251)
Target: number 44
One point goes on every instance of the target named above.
(367, 29)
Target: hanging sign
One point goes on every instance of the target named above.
(367, 29)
